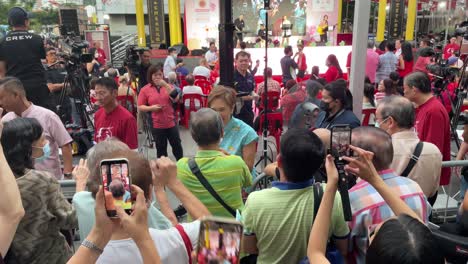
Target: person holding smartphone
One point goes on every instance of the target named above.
(157, 98)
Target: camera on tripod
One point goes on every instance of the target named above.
(73, 52)
(132, 56)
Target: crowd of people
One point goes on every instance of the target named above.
(396, 165)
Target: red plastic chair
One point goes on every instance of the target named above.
(128, 102)
(273, 98)
(275, 127)
(192, 108)
(367, 114)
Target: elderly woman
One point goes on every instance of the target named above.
(239, 138)
(38, 238)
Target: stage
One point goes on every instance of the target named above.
(315, 56)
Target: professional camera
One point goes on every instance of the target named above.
(132, 56)
(442, 69)
(462, 30)
(73, 52)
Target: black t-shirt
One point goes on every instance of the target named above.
(240, 24)
(22, 51)
(142, 81)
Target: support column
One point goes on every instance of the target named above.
(340, 15)
(226, 43)
(381, 19)
(360, 38)
(140, 21)
(411, 19)
(175, 28)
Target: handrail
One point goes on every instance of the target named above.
(454, 163)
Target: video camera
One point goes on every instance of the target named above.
(132, 56)
(73, 52)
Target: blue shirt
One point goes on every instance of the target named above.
(237, 135)
(346, 117)
(84, 204)
(244, 84)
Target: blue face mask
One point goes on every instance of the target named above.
(46, 155)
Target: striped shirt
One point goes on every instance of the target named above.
(369, 209)
(226, 174)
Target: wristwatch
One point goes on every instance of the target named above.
(67, 175)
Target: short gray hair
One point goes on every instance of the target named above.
(112, 73)
(419, 80)
(370, 44)
(172, 77)
(94, 157)
(206, 126)
(377, 141)
(400, 109)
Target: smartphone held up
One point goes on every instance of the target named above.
(116, 183)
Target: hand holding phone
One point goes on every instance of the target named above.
(362, 165)
(136, 225)
(116, 181)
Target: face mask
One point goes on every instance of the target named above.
(46, 155)
(377, 124)
(324, 106)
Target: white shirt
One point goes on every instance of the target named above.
(169, 66)
(202, 71)
(211, 57)
(169, 243)
(192, 89)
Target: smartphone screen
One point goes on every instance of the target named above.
(219, 241)
(340, 141)
(116, 183)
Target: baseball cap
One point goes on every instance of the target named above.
(452, 60)
(17, 16)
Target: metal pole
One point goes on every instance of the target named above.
(226, 43)
(265, 96)
(449, 17)
(360, 36)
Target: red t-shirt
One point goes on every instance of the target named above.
(332, 74)
(449, 49)
(149, 95)
(119, 123)
(408, 68)
(102, 57)
(433, 125)
(301, 62)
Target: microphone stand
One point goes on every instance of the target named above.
(265, 91)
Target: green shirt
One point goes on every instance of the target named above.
(281, 220)
(226, 174)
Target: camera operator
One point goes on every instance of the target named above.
(55, 75)
(20, 56)
(145, 63)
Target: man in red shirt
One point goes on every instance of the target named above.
(113, 120)
(451, 48)
(432, 120)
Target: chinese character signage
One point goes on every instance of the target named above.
(156, 22)
(397, 17)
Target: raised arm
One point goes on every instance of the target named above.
(165, 171)
(319, 235)
(363, 167)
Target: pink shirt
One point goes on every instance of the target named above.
(54, 132)
(149, 96)
(372, 61)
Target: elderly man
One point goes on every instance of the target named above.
(203, 69)
(395, 115)
(13, 99)
(277, 221)
(216, 179)
(367, 206)
(432, 121)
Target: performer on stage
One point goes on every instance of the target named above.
(239, 24)
(322, 29)
(300, 17)
(286, 26)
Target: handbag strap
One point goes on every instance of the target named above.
(187, 242)
(196, 171)
(318, 194)
(413, 160)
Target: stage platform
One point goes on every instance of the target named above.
(315, 56)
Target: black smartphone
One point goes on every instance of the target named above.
(340, 141)
(116, 182)
(219, 240)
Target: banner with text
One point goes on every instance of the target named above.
(397, 18)
(156, 22)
